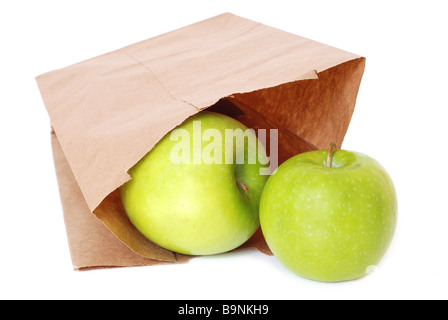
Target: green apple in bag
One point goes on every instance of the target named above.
(197, 191)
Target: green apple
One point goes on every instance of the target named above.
(329, 216)
(193, 197)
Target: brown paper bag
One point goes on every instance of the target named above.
(108, 112)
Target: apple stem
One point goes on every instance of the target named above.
(330, 154)
(242, 185)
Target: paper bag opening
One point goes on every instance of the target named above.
(109, 111)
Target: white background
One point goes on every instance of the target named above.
(400, 119)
